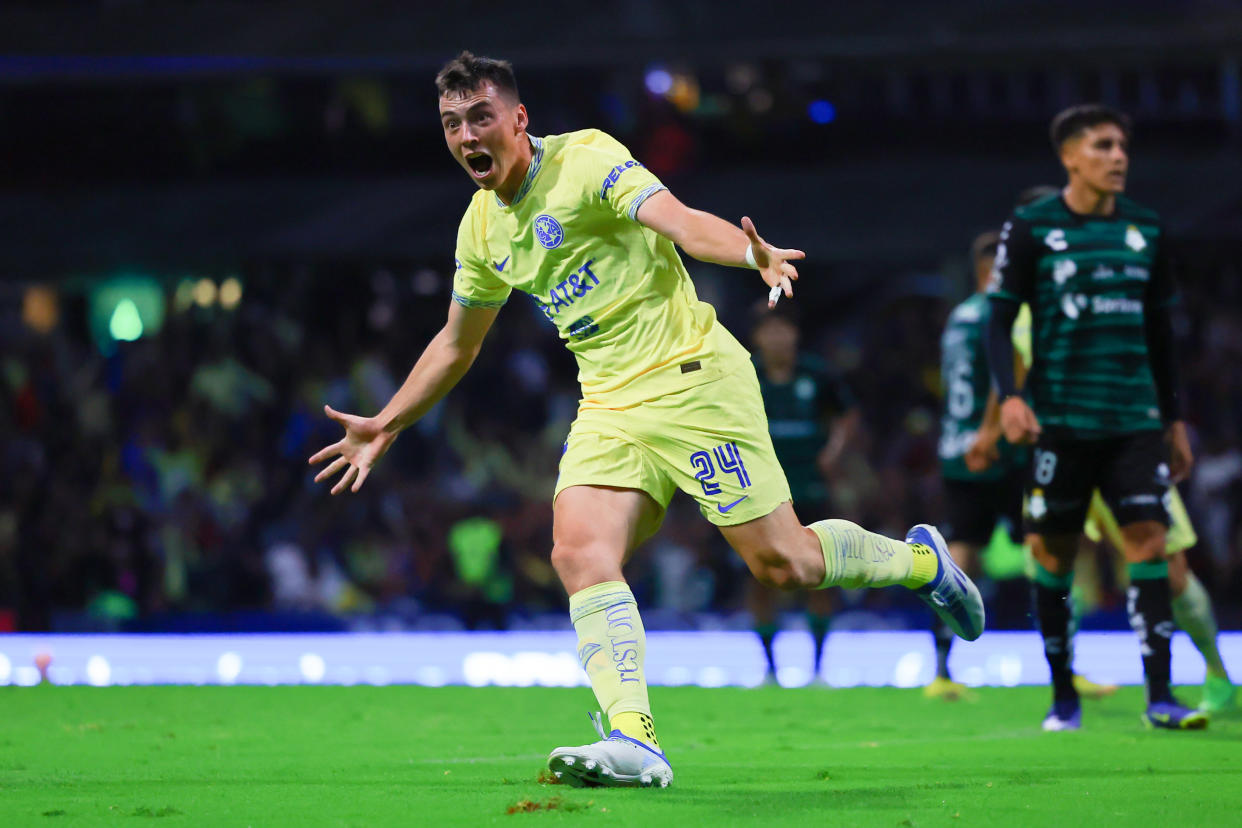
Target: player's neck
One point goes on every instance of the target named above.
(508, 190)
(778, 369)
(1088, 201)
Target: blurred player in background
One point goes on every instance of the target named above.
(978, 491)
(1104, 409)
(669, 398)
(1192, 606)
(812, 417)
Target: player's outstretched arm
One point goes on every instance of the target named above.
(442, 364)
(710, 238)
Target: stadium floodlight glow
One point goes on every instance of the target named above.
(822, 112)
(98, 671)
(204, 292)
(230, 293)
(658, 81)
(125, 324)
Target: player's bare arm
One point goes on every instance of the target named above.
(710, 238)
(442, 364)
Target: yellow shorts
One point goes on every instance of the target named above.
(711, 441)
(1101, 523)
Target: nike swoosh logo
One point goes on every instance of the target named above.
(500, 267)
(724, 510)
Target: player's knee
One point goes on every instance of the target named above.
(780, 571)
(571, 560)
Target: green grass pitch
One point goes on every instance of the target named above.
(459, 756)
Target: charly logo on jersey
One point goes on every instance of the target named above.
(1062, 269)
(1134, 239)
(549, 231)
(1056, 240)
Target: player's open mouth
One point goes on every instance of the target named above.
(480, 164)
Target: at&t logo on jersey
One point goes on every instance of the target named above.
(549, 231)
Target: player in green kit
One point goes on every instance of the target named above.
(1104, 411)
(669, 397)
(812, 417)
(978, 492)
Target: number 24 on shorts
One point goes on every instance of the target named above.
(727, 459)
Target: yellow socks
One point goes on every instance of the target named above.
(854, 557)
(611, 648)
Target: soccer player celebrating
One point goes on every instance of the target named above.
(669, 397)
(1104, 410)
(812, 417)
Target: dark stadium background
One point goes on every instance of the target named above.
(155, 157)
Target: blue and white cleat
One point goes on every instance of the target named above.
(1063, 715)
(616, 761)
(951, 594)
(1172, 716)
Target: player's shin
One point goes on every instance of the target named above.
(854, 557)
(1192, 610)
(1050, 598)
(1151, 617)
(612, 647)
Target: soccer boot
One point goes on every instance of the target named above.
(946, 689)
(1170, 715)
(1219, 695)
(1089, 689)
(1063, 715)
(951, 595)
(614, 761)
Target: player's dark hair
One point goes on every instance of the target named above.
(1070, 122)
(761, 313)
(467, 72)
(985, 244)
(1032, 194)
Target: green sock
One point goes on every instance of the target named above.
(1192, 610)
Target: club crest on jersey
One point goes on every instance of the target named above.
(549, 231)
(1134, 239)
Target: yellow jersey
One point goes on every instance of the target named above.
(617, 292)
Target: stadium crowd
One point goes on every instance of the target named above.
(165, 486)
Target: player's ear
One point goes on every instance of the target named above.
(523, 120)
(1068, 152)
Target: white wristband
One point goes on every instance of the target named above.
(750, 257)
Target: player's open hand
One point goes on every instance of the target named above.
(1018, 422)
(983, 451)
(1181, 458)
(773, 262)
(364, 443)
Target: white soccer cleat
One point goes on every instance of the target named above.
(614, 761)
(951, 594)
